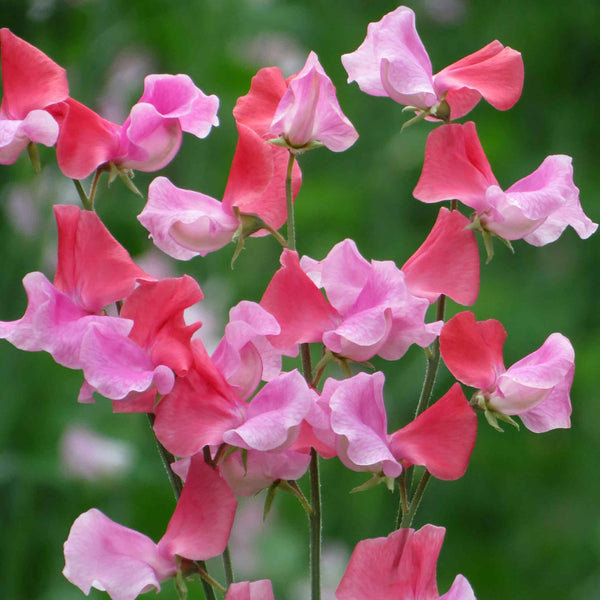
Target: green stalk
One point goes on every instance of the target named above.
(408, 517)
(291, 229)
(228, 566)
(315, 526)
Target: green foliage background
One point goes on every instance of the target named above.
(523, 522)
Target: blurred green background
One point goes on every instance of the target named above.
(523, 522)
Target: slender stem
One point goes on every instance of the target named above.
(94, 187)
(306, 363)
(167, 460)
(291, 228)
(408, 517)
(276, 235)
(403, 506)
(83, 196)
(315, 526)
(207, 581)
(228, 566)
(293, 487)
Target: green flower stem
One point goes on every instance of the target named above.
(408, 517)
(291, 229)
(228, 567)
(403, 506)
(87, 205)
(94, 187)
(315, 526)
(167, 459)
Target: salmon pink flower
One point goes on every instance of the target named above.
(537, 208)
(401, 566)
(392, 61)
(102, 554)
(536, 388)
(32, 82)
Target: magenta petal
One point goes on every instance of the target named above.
(442, 438)
(30, 79)
(494, 72)
(102, 554)
(359, 420)
(184, 223)
(177, 97)
(309, 111)
(447, 262)
(472, 350)
(459, 590)
(400, 566)
(250, 590)
(273, 417)
(261, 469)
(455, 167)
(200, 526)
(116, 366)
(392, 61)
(93, 268)
(299, 323)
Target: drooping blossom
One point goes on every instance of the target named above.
(102, 554)
(536, 208)
(447, 262)
(392, 61)
(536, 388)
(401, 566)
(441, 438)
(31, 82)
(369, 309)
(156, 350)
(93, 271)
(149, 138)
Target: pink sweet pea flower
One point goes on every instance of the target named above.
(93, 271)
(537, 208)
(102, 554)
(309, 111)
(446, 263)
(31, 83)
(536, 388)
(401, 566)
(250, 590)
(392, 61)
(150, 136)
(157, 349)
(441, 438)
(379, 314)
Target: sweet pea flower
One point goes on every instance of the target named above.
(441, 438)
(401, 566)
(537, 208)
(250, 590)
(392, 61)
(369, 311)
(149, 138)
(93, 271)
(536, 388)
(32, 82)
(303, 109)
(102, 554)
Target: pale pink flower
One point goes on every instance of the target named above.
(102, 554)
(401, 566)
(537, 208)
(31, 82)
(250, 590)
(536, 388)
(392, 61)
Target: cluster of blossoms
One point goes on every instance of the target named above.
(236, 422)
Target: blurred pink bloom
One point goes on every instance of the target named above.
(537, 208)
(401, 566)
(31, 82)
(102, 554)
(309, 111)
(250, 590)
(536, 388)
(87, 455)
(392, 61)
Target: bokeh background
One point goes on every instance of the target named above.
(524, 521)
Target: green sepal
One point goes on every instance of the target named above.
(34, 157)
(374, 481)
(269, 499)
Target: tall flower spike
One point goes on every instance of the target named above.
(392, 61)
(32, 82)
(537, 208)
